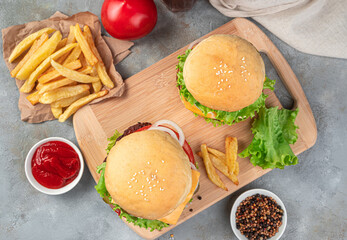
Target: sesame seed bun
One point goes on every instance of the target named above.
(148, 174)
(224, 72)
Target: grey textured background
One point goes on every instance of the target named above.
(314, 191)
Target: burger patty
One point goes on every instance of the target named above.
(133, 129)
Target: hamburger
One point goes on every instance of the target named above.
(222, 78)
(149, 174)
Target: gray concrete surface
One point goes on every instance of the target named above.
(314, 191)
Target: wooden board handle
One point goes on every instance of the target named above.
(253, 34)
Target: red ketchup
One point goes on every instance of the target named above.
(55, 164)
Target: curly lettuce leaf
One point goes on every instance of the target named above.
(273, 130)
(222, 117)
(112, 141)
(101, 189)
(141, 222)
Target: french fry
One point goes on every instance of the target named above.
(73, 56)
(65, 102)
(40, 55)
(237, 169)
(72, 74)
(211, 172)
(105, 79)
(80, 103)
(100, 66)
(30, 83)
(222, 156)
(37, 43)
(34, 98)
(58, 83)
(222, 167)
(83, 60)
(88, 53)
(54, 74)
(56, 111)
(71, 37)
(54, 85)
(231, 153)
(97, 86)
(27, 42)
(217, 153)
(61, 44)
(63, 92)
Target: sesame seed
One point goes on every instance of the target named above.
(145, 195)
(221, 61)
(147, 179)
(142, 186)
(134, 174)
(229, 86)
(158, 181)
(245, 80)
(156, 171)
(130, 186)
(136, 180)
(163, 180)
(243, 67)
(137, 193)
(220, 65)
(243, 58)
(145, 199)
(128, 182)
(154, 185)
(141, 190)
(218, 82)
(150, 190)
(225, 65)
(162, 161)
(221, 89)
(249, 73)
(214, 68)
(141, 194)
(221, 80)
(148, 162)
(226, 80)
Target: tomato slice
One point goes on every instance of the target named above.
(144, 128)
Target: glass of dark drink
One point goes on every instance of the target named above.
(179, 5)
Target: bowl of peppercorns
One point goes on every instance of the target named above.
(258, 214)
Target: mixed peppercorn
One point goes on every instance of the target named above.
(259, 217)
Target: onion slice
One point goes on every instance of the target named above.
(165, 129)
(179, 130)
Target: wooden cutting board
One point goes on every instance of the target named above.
(152, 95)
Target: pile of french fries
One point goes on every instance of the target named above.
(225, 162)
(66, 73)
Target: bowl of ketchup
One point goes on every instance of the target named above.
(54, 165)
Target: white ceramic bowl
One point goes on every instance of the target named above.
(37, 185)
(251, 193)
